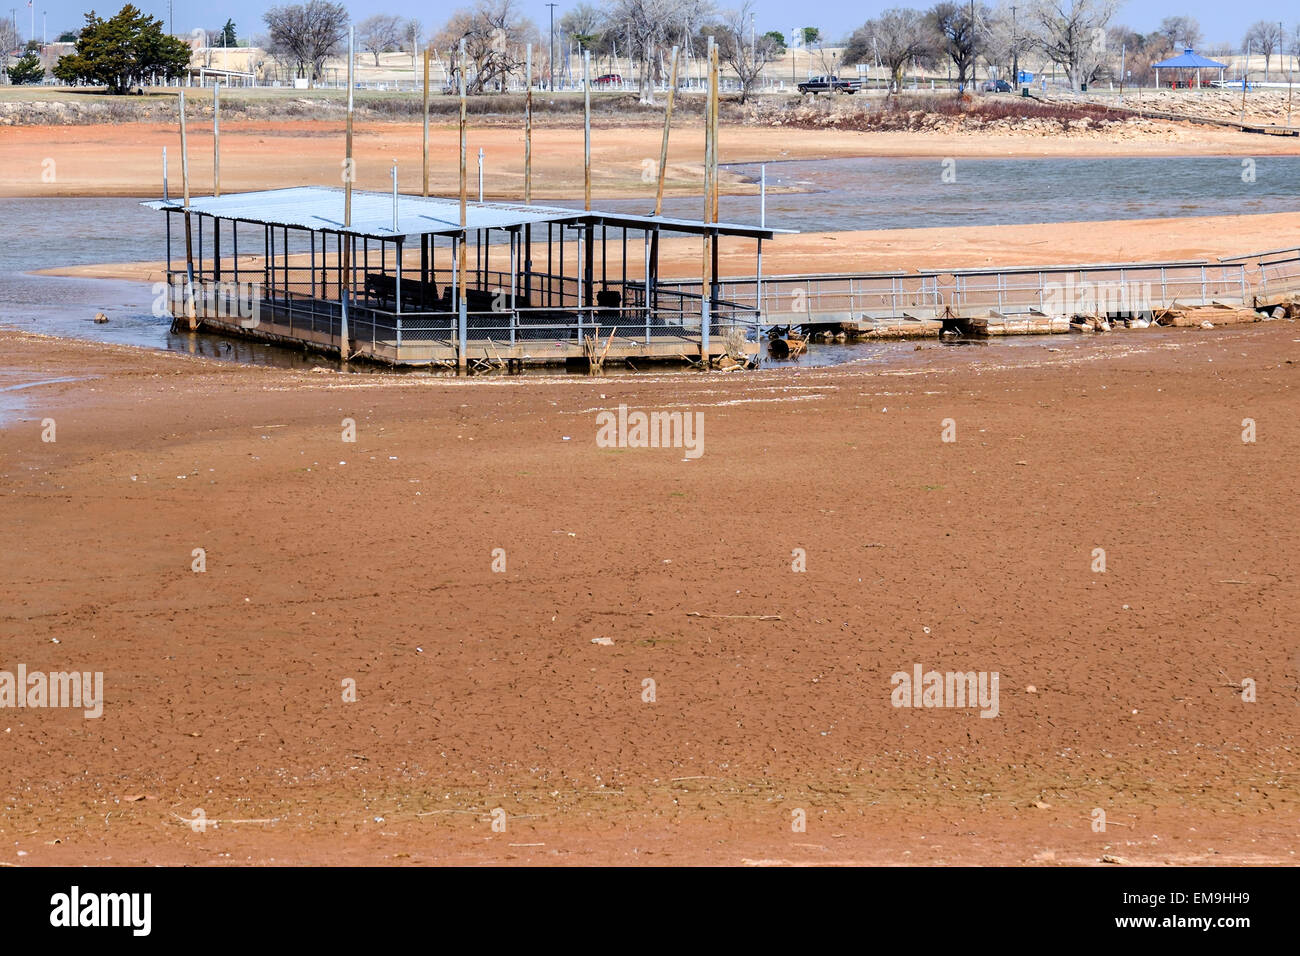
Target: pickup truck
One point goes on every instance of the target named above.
(827, 84)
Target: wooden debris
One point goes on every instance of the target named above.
(742, 617)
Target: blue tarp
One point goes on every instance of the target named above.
(1189, 60)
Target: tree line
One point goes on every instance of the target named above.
(1078, 37)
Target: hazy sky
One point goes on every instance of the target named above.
(1220, 22)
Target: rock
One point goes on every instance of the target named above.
(1118, 860)
(603, 641)
(1207, 324)
(100, 318)
(1031, 689)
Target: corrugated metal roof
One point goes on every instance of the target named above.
(1189, 60)
(321, 208)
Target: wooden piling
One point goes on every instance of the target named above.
(710, 175)
(425, 142)
(462, 336)
(349, 175)
(528, 127)
(586, 126)
(190, 312)
(216, 137)
(713, 90)
(668, 122)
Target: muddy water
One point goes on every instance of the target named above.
(843, 194)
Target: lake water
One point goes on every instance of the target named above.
(840, 194)
(884, 193)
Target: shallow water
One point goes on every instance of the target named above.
(842, 194)
(885, 193)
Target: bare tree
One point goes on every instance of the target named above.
(8, 41)
(381, 33)
(1002, 41)
(494, 35)
(640, 27)
(740, 46)
(1072, 34)
(584, 25)
(956, 27)
(898, 36)
(412, 30)
(1264, 36)
(1181, 32)
(305, 34)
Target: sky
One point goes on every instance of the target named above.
(1220, 22)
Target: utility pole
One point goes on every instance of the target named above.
(972, 42)
(1245, 79)
(551, 48)
(1015, 50)
(1290, 87)
(1281, 47)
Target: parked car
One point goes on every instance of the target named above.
(609, 79)
(997, 86)
(827, 84)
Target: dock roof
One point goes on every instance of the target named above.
(320, 208)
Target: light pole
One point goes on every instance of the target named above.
(551, 49)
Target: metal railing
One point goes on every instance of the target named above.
(1050, 290)
(295, 304)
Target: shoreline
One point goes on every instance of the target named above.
(934, 247)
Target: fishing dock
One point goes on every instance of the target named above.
(541, 284)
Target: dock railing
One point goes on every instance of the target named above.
(293, 304)
(1123, 288)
